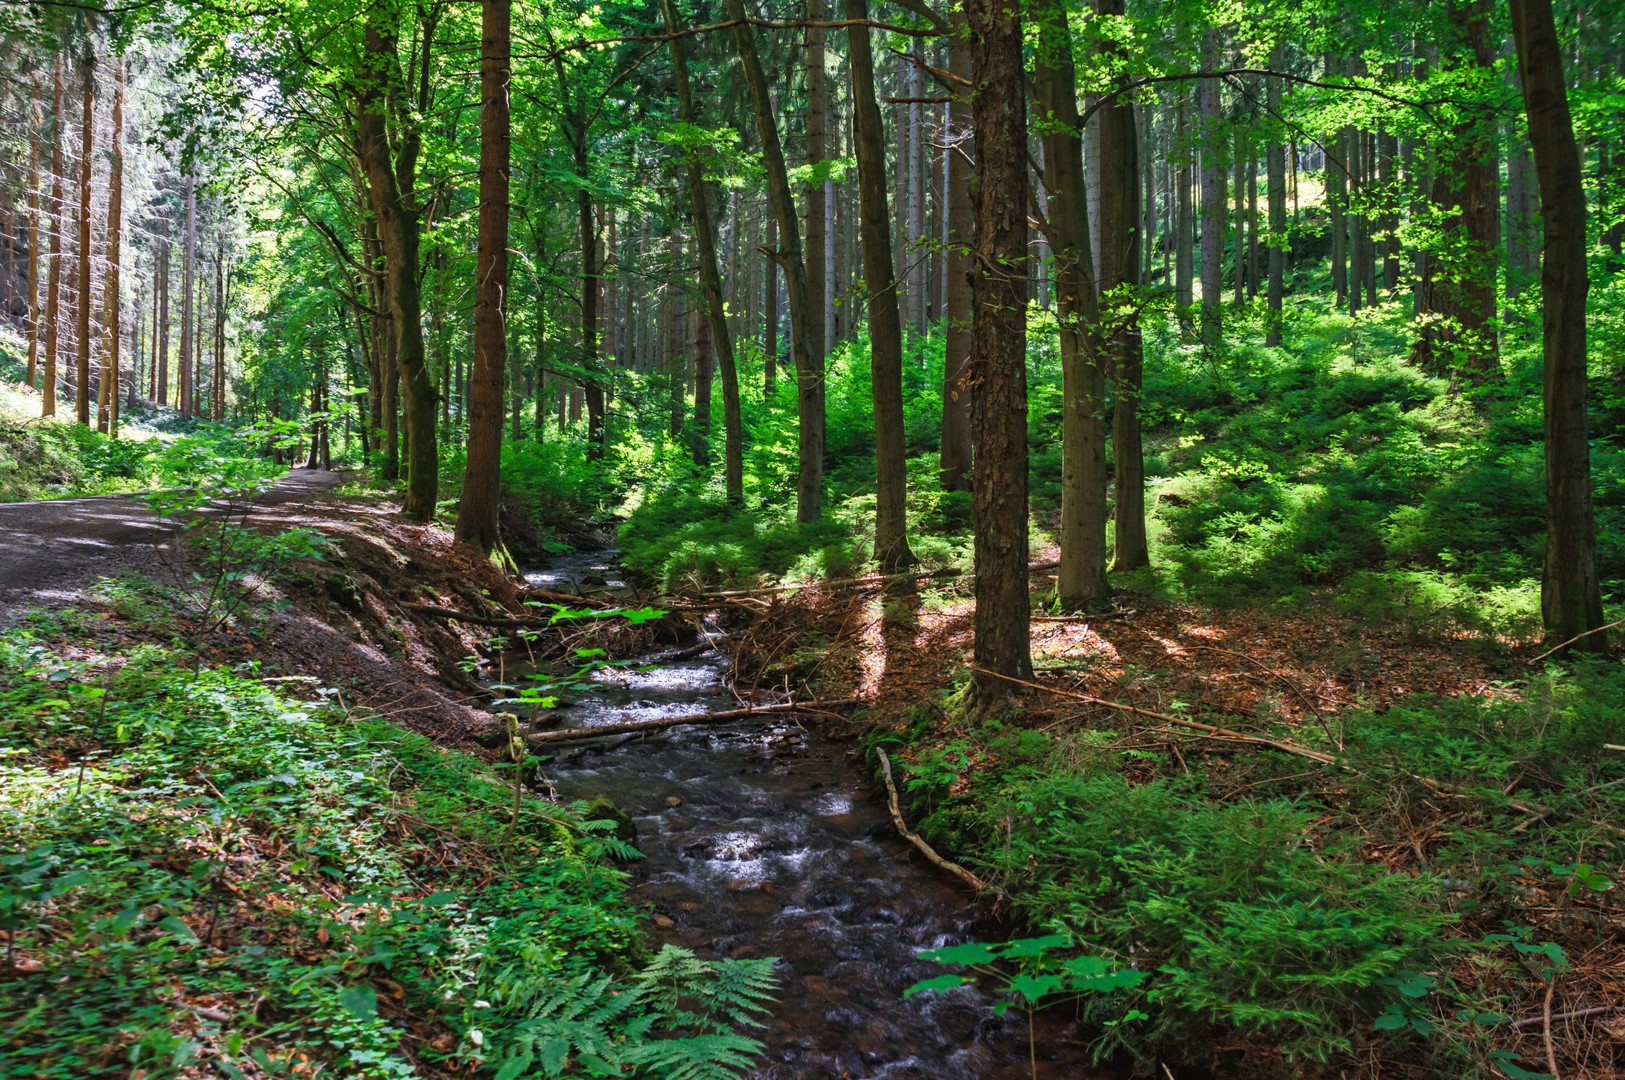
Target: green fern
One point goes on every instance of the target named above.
(727, 993)
(676, 1022)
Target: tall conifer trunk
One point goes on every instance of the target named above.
(885, 321)
(87, 128)
(187, 296)
(32, 325)
(1213, 194)
(53, 288)
(482, 476)
(998, 363)
(115, 229)
(710, 280)
(1275, 169)
(1082, 580)
(1570, 589)
(954, 457)
(809, 368)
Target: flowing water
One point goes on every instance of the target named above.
(765, 839)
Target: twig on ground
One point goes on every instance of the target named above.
(1546, 1028)
(1531, 1021)
(1576, 637)
(914, 838)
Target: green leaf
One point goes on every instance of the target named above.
(179, 929)
(1034, 946)
(1035, 988)
(359, 1001)
(517, 1064)
(1390, 1021)
(941, 982)
(972, 952)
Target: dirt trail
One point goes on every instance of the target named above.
(50, 550)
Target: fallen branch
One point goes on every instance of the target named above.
(914, 838)
(1256, 740)
(1546, 1028)
(567, 599)
(842, 583)
(569, 734)
(1531, 1021)
(478, 620)
(1576, 637)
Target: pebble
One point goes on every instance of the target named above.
(663, 922)
(672, 800)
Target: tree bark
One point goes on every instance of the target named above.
(107, 415)
(809, 369)
(188, 291)
(160, 330)
(1213, 195)
(53, 288)
(1184, 222)
(87, 150)
(954, 457)
(997, 368)
(1082, 577)
(885, 329)
(1275, 168)
(389, 181)
(1120, 300)
(1459, 295)
(1570, 591)
(32, 325)
(817, 150)
(477, 510)
(710, 279)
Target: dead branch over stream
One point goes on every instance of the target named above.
(571, 734)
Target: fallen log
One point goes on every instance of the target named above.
(469, 617)
(570, 734)
(843, 583)
(914, 838)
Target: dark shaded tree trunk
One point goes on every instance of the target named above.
(389, 180)
(188, 291)
(1213, 195)
(1184, 221)
(1119, 276)
(87, 128)
(53, 288)
(478, 509)
(107, 415)
(954, 457)
(1082, 580)
(998, 363)
(817, 237)
(885, 320)
(1275, 169)
(1570, 590)
(1458, 296)
(710, 280)
(809, 368)
(32, 325)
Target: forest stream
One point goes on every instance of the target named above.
(766, 840)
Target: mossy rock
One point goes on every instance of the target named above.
(626, 830)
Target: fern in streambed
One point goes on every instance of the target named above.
(677, 1021)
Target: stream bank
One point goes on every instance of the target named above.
(767, 839)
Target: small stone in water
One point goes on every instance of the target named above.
(663, 922)
(672, 800)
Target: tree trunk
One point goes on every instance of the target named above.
(954, 458)
(53, 289)
(389, 181)
(1459, 295)
(1184, 222)
(477, 510)
(1082, 580)
(1238, 161)
(188, 291)
(770, 313)
(998, 363)
(710, 279)
(885, 329)
(817, 237)
(110, 286)
(87, 127)
(1119, 274)
(809, 369)
(1275, 167)
(32, 325)
(1213, 195)
(160, 331)
(1570, 592)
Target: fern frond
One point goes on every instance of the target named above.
(721, 1056)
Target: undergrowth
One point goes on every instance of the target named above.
(199, 871)
(1323, 909)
